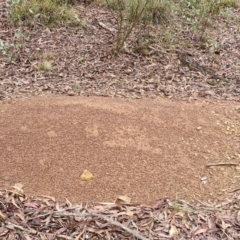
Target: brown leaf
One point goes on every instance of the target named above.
(3, 231)
(238, 216)
(199, 231)
(20, 215)
(14, 203)
(18, 187)
(3, 217)
(30, 204)
(211, 223)
(51, 198)
(27, 236)
(173, 231)
(130, 213)
(224, 225)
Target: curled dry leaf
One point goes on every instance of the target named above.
(18, 187)
(173, 231)
(199, 231)
(123, 200)
(130, 213)
(21, 216)
(3, 217)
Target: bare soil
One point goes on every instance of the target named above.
(146, 149)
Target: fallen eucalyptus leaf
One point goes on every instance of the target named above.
(18, 187)
(123, 200)
(173, 231)
(130, 213)
(3, 217)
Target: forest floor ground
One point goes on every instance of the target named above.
(153, 122)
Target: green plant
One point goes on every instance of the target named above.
(142, 47)
(214, 47)
(191, 3)
(76, 85)
(166, 39)
(128, 15)
(208, 11)
(116, 5)
(157, 12)
(120, 83)
(11, 50)
(179, 207)
(229, 3)
(175, 205)
(45, 62)
(47, 12)
(201, 14)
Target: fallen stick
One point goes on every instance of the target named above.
(66, 214)
(222, 164)
(32, 231)
(235, 190)
(104, 26)
(24, 229)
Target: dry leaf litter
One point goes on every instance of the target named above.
(23, 217)
(79, 63)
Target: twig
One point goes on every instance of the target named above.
(150, 228)
(34, 232)
(235, 190)
(135, 234)
(43, 215)
(64, 236)
(222, 164)
(24, 229)
(104, 26)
